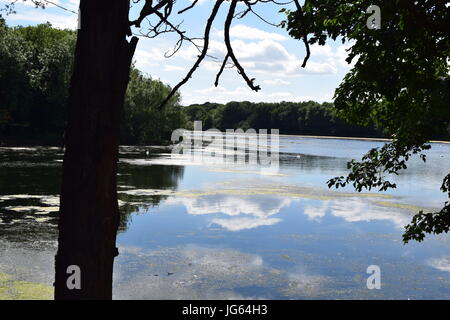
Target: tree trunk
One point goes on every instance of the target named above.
(89, 213)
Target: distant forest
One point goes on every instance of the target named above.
(35, 69)
(296, 118)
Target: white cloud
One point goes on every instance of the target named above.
(58, 17)
(315, 212)
(442, 264)
(239, 224)
(66, 21)
(169, 68)
(267, 56)
(241, 31)
(240, 213)
(325, 50)
(150, 53)
(221, 94)
(276, 82)
(335, 56)
(355, 210)
(233, 206)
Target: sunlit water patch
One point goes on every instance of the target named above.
(204, 230)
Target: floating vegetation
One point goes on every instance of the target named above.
(43, 219)
(149, 192)
(32, 209)
(11, 289)
(405, 206)
(196, 272)
(50, 200)
(284, 191)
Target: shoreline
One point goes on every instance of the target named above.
(28, 145)
(351, 138)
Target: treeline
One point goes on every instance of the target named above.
(35, 67)
(300, 118)
(35, 70)
(144, 122)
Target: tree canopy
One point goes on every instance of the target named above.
(35, 66)
(399, 81)
(35, 70)
(35, 79)
(297, 118)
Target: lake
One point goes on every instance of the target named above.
(202, 230)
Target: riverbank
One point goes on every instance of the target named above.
(9, 144)
(351, 138)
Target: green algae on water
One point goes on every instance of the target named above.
(11, 289)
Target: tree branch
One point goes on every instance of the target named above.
(241, 70)
(221, 70)
(304, 33)
(201, 56)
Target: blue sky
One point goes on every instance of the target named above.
(267, 53)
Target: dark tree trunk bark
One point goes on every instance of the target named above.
(89, 213)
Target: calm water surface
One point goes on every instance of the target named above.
(199, 230)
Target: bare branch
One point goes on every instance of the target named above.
(201, 56)
(249, 8)
(241, 70)
(221, 70)
(9, 7)
(148, 9)
(59, 6)
(164, 26)
(162, 9)
(189, 7)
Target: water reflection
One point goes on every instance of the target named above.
(355, 210)
(243, 212)
(442, 263)
(29, 205)
(249, 207)
(135, 177)
(197, 272)
(206, 231)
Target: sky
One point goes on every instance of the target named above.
(266, 52)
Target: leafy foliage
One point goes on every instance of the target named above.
(35, 69)
(433, 222)
(144, 122)
(400, 82)
(34, 75)
(309, 118)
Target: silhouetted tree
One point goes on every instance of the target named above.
(89, 214)
(407, 93)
